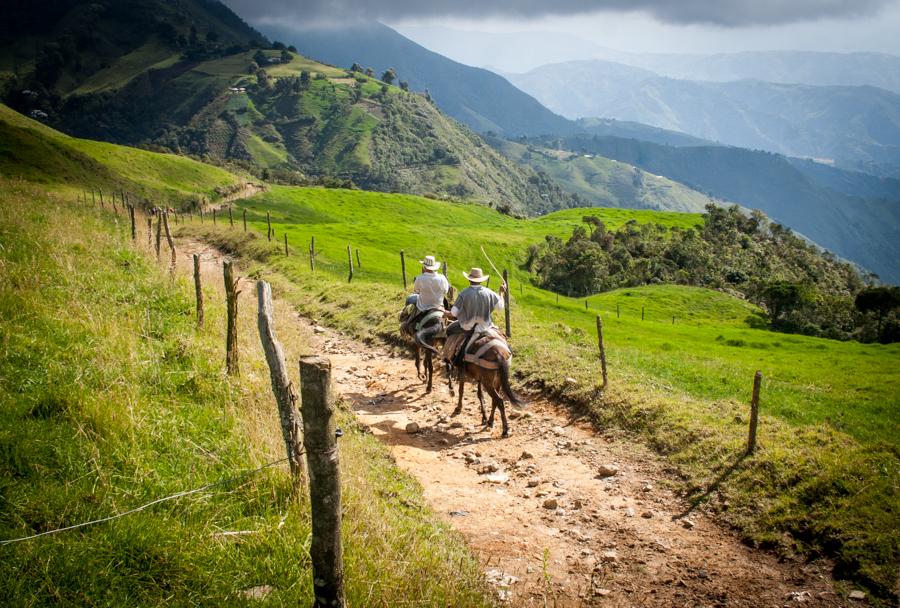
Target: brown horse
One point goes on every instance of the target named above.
(492, 373)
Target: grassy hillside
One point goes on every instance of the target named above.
(110, 398)
(192, 86)
(827, 469)
(603, 182)
(32, 151)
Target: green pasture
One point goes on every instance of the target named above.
(711, 351)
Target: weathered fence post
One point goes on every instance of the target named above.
(557, 297)
(93, 197)
(133, 225)
(231, 298)
(585, 304)
(245, 220)
(602, 351)
(403, 267)
(673, 319)
(506, 303)
(149, 232)
(198, 290)
(230, 217)
(269, 223)
(214, 216)
(754, 412)
(170, 241)
(320, 436)
(281, 382)
(158, 232)
(617, 310)
(642, 313)
(312, 254)
(349, 264)
(286, 250)
(100, 191)
(358, 263)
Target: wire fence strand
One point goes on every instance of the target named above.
(182, 494)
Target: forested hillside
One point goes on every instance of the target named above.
(213, 88)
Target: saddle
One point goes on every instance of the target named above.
(412, 320)
(476, 345)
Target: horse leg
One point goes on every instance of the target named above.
(449, 367)
(429, 371)
(462, 382)
(497, 402)
(418, 362)
(484, 419)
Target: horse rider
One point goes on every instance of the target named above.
(429, 290)
(472, 311)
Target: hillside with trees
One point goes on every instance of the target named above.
(200, 82)
(803, 289)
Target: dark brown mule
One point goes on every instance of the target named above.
(493, 375)
(427, 337)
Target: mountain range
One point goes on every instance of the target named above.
(851, 126)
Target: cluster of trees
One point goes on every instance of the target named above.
(803, 289)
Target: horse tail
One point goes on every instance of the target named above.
(503, 368)
(425, 334)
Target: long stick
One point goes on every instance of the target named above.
(491, 263)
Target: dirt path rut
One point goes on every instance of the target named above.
(551, 527)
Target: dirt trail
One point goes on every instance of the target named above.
(608, 541)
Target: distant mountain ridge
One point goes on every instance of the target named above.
(476, 97)
(856, 127)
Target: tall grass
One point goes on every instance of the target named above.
(110, 398)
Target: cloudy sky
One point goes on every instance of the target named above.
(566, 29)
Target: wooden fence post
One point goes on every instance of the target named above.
(198, 290)
(506, 303)
(281, 382)
(557, 297)
(320, 435)
(754, 412)
(358, 263)
(133, 225)
(158, 232)
(149, 232)
(312, 254)
(602, 351)
(269, 223)
(349, 264)
(245, 220)
(169, 239)
(403, 267)
(100, 191)
(230, 217)
(286, 250)
(673, 319)
(585, 304)
(642, 313)
(231, 298)
(617, 310)
(214, 216)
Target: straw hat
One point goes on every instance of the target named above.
(430, 263)
(475, 275)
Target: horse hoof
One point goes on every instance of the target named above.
(427, 391)
(505, 435)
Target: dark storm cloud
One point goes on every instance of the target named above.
(729, 13)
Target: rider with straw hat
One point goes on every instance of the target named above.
(472, 310)
(429, 289)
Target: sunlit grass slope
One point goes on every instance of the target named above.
(827, 470)
(33, 151)
(110, 398)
